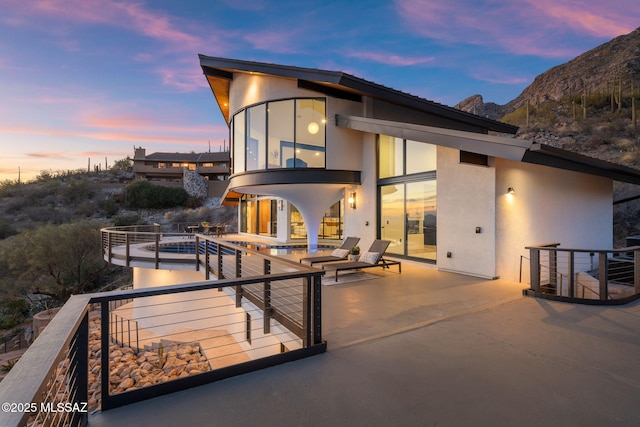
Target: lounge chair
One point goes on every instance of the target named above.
(338, 254)
(372, 258)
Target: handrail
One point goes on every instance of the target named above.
(26, 383)
(65, 341)
(617, 280)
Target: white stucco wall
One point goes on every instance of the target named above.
(466, 200)
(361, 222)
(549, 205)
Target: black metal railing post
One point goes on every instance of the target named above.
(157, 240)
(317, 309)
(219, 252)
(534, 269)
(553, 270)
(127, 249)
(104, 354)
(109, 249)
(603, 275)
(572, 278)
(636, 271)
(307, 312)
(197, 253)
(239, 289)
(266, 297)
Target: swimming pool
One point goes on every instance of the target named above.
(189, 248)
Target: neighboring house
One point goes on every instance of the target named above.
(173, 169)
(325, 154)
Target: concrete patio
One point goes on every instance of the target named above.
(430, 348)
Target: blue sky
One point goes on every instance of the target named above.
(91, 79)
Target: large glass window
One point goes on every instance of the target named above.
(407, 186)
(258, 215)
(280, 134)
(310, 133)
(390, 156)
(420, 157)
(238, 142)
(281, 123)
(397, 157)
(256, 139)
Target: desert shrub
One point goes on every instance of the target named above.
(125, 220)
(13, 312)
(110, 207)
(7, 230)
(144, 195)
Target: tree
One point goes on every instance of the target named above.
(122, 165)
(55, 260)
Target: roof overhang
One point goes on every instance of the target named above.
(496, 146)
(230, 198)
(220, 72)
(283, 182)
(491, 145)
(555, 157)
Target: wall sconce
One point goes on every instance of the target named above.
(280, 204)
(352, 200)
(510, 190)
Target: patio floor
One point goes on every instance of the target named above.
(431, 348)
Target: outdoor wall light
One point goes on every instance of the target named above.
(510, 190)
(352, 200)
(280, 204)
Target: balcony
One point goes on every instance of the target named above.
(421, 347)
(588, 276)
(257, 311)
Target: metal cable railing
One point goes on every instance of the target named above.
(583, 275)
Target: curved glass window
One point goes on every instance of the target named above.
(280, 134)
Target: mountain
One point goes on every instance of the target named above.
(595, 71)
(589, 105)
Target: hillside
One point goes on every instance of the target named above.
(611, 69)
(588, 105)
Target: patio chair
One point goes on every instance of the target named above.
(372, 258)
(339, 254)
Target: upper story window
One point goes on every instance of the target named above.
(397, 157)
(280, 134)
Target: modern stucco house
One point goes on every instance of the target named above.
(324, 154)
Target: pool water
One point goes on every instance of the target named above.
(278, 249)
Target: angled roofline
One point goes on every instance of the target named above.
(510, 148)
(223, 68)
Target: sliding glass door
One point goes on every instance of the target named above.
(408, 213)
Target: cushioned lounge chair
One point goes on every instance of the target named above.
(372, 258)
(337, 255)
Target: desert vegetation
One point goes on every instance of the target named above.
(50, 239)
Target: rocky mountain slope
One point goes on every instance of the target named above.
(589, 105)
(598, 71)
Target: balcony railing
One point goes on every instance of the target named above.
(584, 275)
(262, 312)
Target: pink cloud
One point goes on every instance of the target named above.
(530, 27)
(180, 39)
(60, 155)
(598, 18)
(128, 15)
(391, 59)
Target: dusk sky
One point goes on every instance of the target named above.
(91, 79)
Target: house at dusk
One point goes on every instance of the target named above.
(322, 154)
